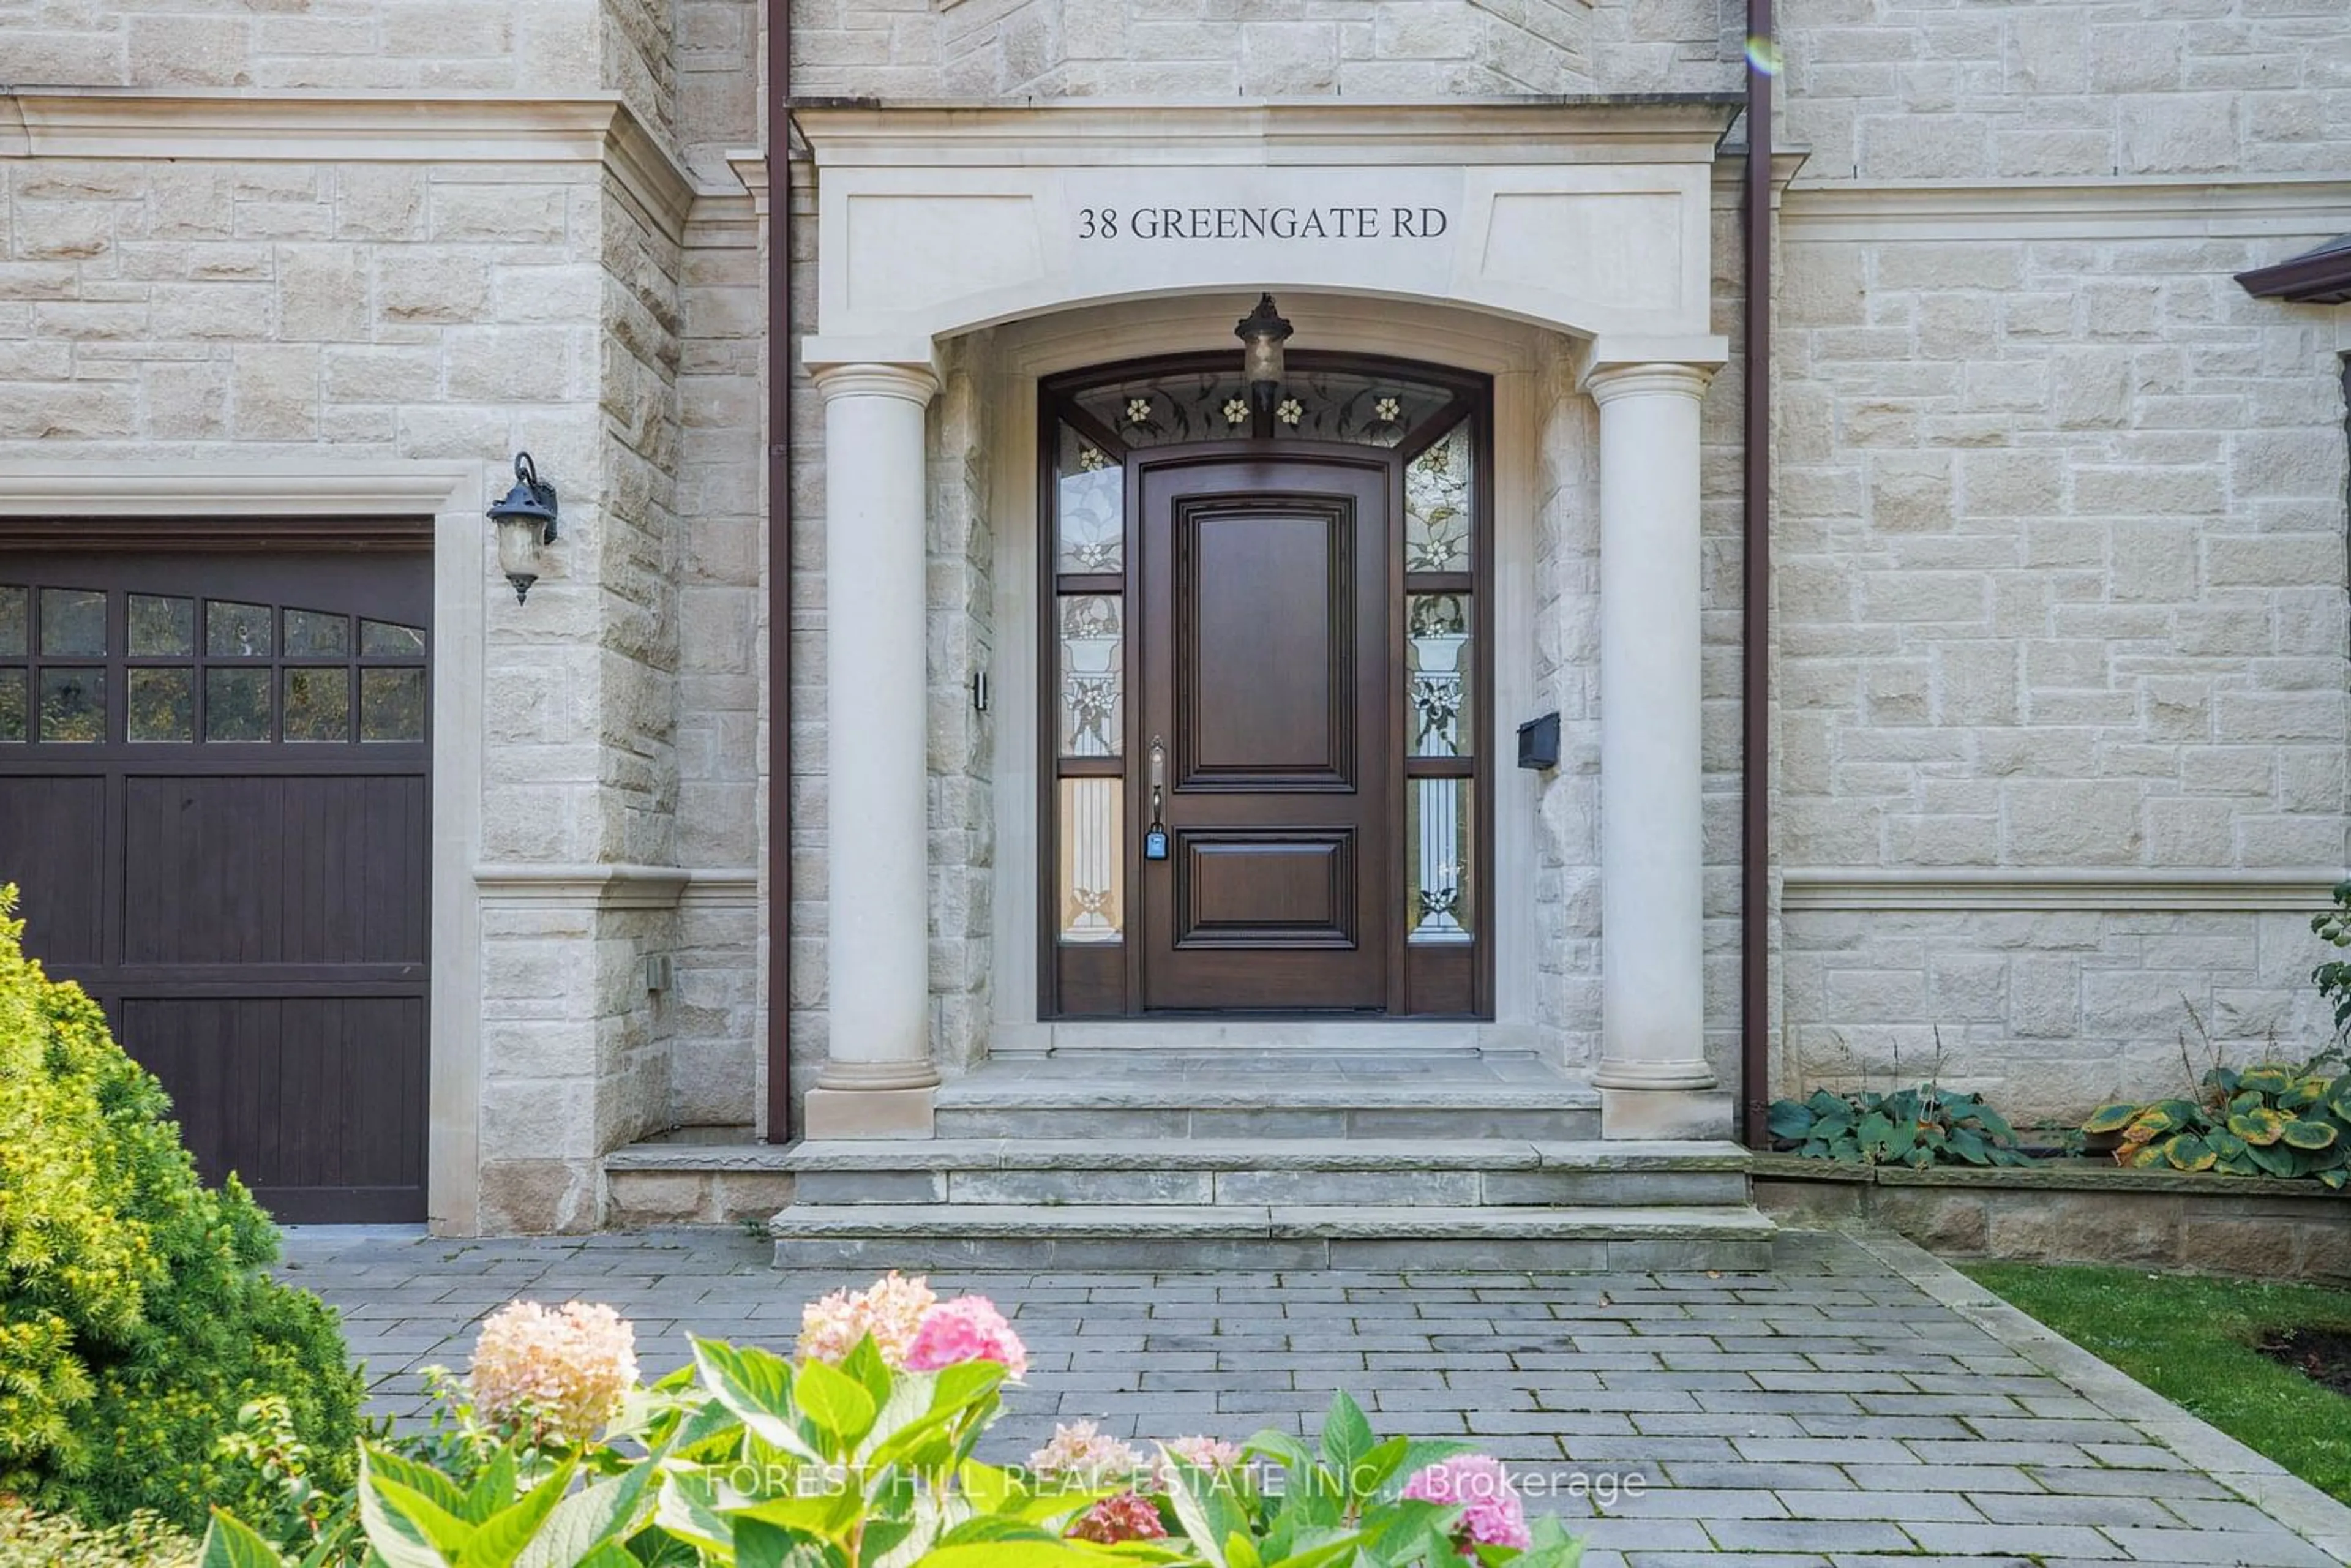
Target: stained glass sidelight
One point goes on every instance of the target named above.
(160, 705)
(1437, 903)
(1437, 665)
(1437, 487)
(236, 703)
(73, 624)
(73, 704)
(236, 630)
(162, 627)
(1092, 909)
(1089, 508)
(1093, 674)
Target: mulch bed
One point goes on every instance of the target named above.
(2323, 1356)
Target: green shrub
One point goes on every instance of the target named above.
(1928, 1126)
(31, 1540)
(135, 1317)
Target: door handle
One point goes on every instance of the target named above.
(1155, 838)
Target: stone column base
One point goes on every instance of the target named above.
(1670, 1113)
(867, 1112)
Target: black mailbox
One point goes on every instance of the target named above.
(1538, 742)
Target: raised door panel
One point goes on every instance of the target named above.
(1271, 888)
(53, 847)
(1265, 677)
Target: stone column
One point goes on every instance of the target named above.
(877, 1079)
(1653, 1076)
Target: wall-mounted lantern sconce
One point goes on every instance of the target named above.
(1262, 333)
(525, 521)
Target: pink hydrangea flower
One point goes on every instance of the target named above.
(968, 1327)
(891, 1310)
(1491, 1514)
(1210, 1454)
(1126, 1517)
(561, 1371)
(1082, 1458)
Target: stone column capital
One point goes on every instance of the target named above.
(1654, 378)
(916, 384)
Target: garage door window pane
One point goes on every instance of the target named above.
(236, 703)
(161, 704)
(384, 640)
(73, 624)
(236, 630)
(13, 643)
(73, 706)
(162, 628)
(318, 701)
(12, 704)
(391, 704)
(310, 634)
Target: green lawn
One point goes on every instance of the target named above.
(2190, 1339)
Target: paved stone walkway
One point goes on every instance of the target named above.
(1860, 1404)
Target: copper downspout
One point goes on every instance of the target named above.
(1755, 701)
(779, 572)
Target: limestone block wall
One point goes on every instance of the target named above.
(1890, 90)
(2060, 540)
(1567, 678)
(717, 1014)
(961, 630)
(1191, 49)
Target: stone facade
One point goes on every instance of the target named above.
(2060, 510)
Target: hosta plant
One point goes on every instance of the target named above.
(1928, 1126)
(2268, 1120)
(859, 1451)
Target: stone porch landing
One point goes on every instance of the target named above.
(1268, 1158)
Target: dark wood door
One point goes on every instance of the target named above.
(1266, 659)
(215, 797)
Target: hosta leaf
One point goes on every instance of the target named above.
(1790, 1120)
(2310, 1134)
(2139, 1134)
(2267, 1079)
(2275, 1159)
(2145, 1157)
(2111, 1118)
(2187, 1153)
(2336, 1178)
(2259, 1127)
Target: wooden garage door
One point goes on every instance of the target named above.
(215, 784)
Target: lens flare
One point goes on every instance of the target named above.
(1763, 54)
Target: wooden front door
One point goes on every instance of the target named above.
(1266, 729)
(214, 799)
(1284, 596)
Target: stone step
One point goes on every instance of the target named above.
(1264, 1104)
(1490, 1173)
(1188, 1237)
